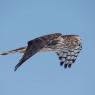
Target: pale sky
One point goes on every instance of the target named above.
(23, 20)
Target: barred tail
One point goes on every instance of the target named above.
(20, 50)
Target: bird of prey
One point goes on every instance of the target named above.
(67, 48)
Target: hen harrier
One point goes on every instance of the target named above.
(67, 47)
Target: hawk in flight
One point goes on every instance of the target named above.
(67, 48)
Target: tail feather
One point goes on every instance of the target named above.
(20, 50)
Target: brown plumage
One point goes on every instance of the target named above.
(66, 47)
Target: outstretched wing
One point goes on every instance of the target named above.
(68, 57)
(35, 46)
(20, 50)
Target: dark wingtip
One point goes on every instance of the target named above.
(19, 64)
(69, 65)
(65, 66)
(15, 68)
(61, 63)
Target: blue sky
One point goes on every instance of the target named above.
(23, 20)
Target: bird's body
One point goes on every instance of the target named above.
(66, 47)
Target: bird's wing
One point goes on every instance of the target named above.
(68, 57)
(35, 46)
(20, 50)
